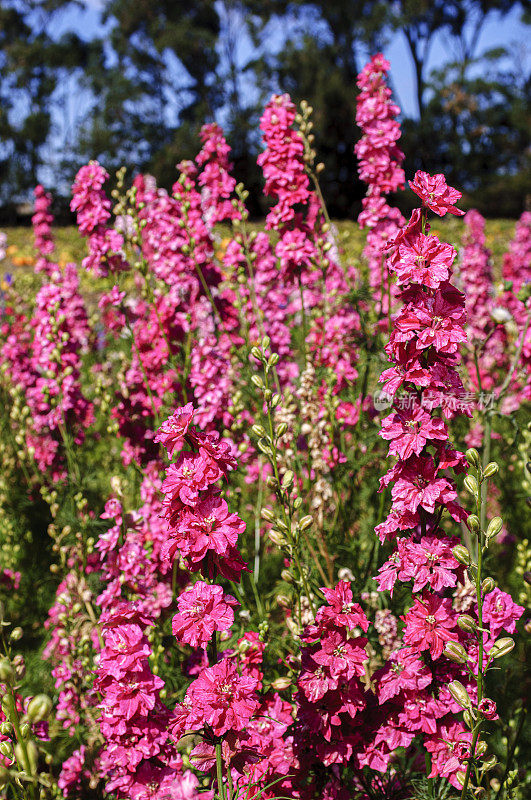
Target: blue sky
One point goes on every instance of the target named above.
(498, 31)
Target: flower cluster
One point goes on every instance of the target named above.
(379, 167)
(93, 212)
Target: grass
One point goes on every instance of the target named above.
(70, 246)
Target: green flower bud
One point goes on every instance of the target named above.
(456, 653)
(39, 708)
(306, 522)
(459, 693)
(487, 585)
(471, 484)
(7, 673)
(502, 647)
(281, 683)
(277, 538)
(494, 527)
(467, 623)
(468, 719)
(472, 456)
(489, 763)
(6, 748)
(267, 514)
(461, 554)
(473, 522)
(490, 470)
(29, 764)
(16, 634)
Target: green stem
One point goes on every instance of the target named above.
(480, 503)
(304, 323)
(219, 771)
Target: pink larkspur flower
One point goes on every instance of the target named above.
(203, 609)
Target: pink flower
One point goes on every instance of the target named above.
(409, 430)
(208, 527)
(341, 609)
(222, 699)
(435, 193)
(172, 432)
(487, 709)
(449, 748)
(191, 474)
(418, 485)
(430, 624)
(404, 671)
(203, 609)
(425, 260)
(342, 657)
(500, 611)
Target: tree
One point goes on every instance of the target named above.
(154, 82)
(320, 48)
(32, 63)
(476, 130)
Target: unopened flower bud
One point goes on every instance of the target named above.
(459, 693)
(502, 647)
(267, 514)
(277, 538)
(472, 456)
(461, 554)
(460, 778)
(494, 527)
(471, 484)
(39, 708)
(6, 748)
(490, 470)
(456, 653)
(473, 522)
(7, 673)
(282, 428)
(489, 763)
(281, 683)
(25, 730)
(306, 522)
(467, 623)
(481, 748)
(283, 601)
(468, 719)
(288, 478)
(30, 764)
(487, 585)
(287, 576)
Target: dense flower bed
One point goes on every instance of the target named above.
(278, 570)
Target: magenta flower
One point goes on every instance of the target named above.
(172, 432)
(418, 485)
(449, 747)
(203, 609)
(209, 526)
(191, 474)
(410, 430)
(435, 193)
(500, 611)
(341, 609)
(222, 699)
(430, 624)
(342, 657)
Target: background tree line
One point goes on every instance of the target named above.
(136, 90)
